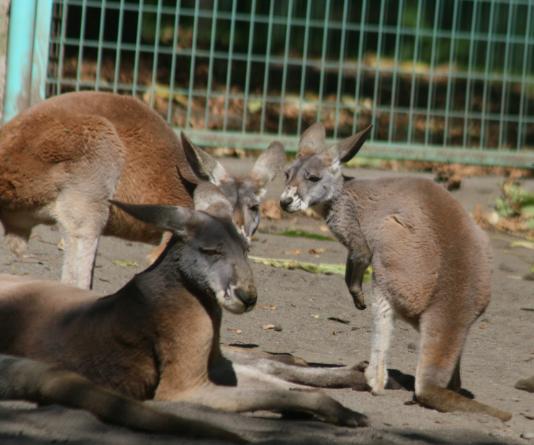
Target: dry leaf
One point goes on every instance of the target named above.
(272, 327)
(316, 251)
(234, 330)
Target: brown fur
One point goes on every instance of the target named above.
(158, 336)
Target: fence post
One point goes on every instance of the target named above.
(4, 19)
(41, 44)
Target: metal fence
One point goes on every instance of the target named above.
(444, 80)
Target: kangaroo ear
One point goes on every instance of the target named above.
(312, 141)
(198, 165)
(268, 165)
(163, 216)
(347, 148)
(208, 198)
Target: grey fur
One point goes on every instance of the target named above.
(431, 263)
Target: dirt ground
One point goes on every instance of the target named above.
(307, 307)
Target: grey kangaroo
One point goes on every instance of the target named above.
(431, 263)
(158, 336)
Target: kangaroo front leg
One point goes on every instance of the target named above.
(383, 321)
(357, 263)
(238, 399)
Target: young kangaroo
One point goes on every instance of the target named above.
(158, 336)
(62, 159)
(431, 263)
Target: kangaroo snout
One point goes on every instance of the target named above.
(248, 297)
(286, 202)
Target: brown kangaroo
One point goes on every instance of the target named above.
(431, 263)
(26, 379)
(62, 159)
(158, 336)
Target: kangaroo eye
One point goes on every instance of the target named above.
(313, 178)
(213, 251)
(254, 208)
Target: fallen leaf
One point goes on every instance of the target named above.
(316, 251)
(270, 307)
(234, 330)
(272, 327)
(295, 252)
(125, 263)
(521, 243)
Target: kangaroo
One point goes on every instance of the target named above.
(62, 159)
(26, 379)
(525, 384)
(158, 336)
(431, 263)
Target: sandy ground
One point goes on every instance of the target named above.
(500, 349)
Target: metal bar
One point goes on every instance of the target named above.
(229, 66)
(522, 108)
(41, 41)
(394, 80)
(378, 150)
(504, 90)
(340, 60)
(469, 69)
(412, 88)
(303, 66)
(266, 73)
(118, 48)
(154, 80)
(175, 34)
(284, 71)
(249, 60)
(80, 45)
(360, 56)
(323, 58)
(19, 51)
(192, 67)
(449, 80)
(333, 24)
(378, 65)
(488, 60)
(100, 41)
(62, 44)
(210, 62)
(137, 47)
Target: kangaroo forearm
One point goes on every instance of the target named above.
(354, 273)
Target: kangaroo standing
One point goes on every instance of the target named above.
(62, 159)
(431, 263)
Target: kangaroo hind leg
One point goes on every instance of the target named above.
(438, 368)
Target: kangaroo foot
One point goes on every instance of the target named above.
(445, 400)
(525, 384)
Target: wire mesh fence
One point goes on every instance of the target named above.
(438, 79)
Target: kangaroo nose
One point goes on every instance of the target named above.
(248, 297)
(286, 202)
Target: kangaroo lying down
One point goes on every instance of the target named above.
(26, 379)
(64, 158)
(158, 336)
(431, 263)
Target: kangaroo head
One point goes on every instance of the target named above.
(206, 249)
(244, 194)
(315, 177)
